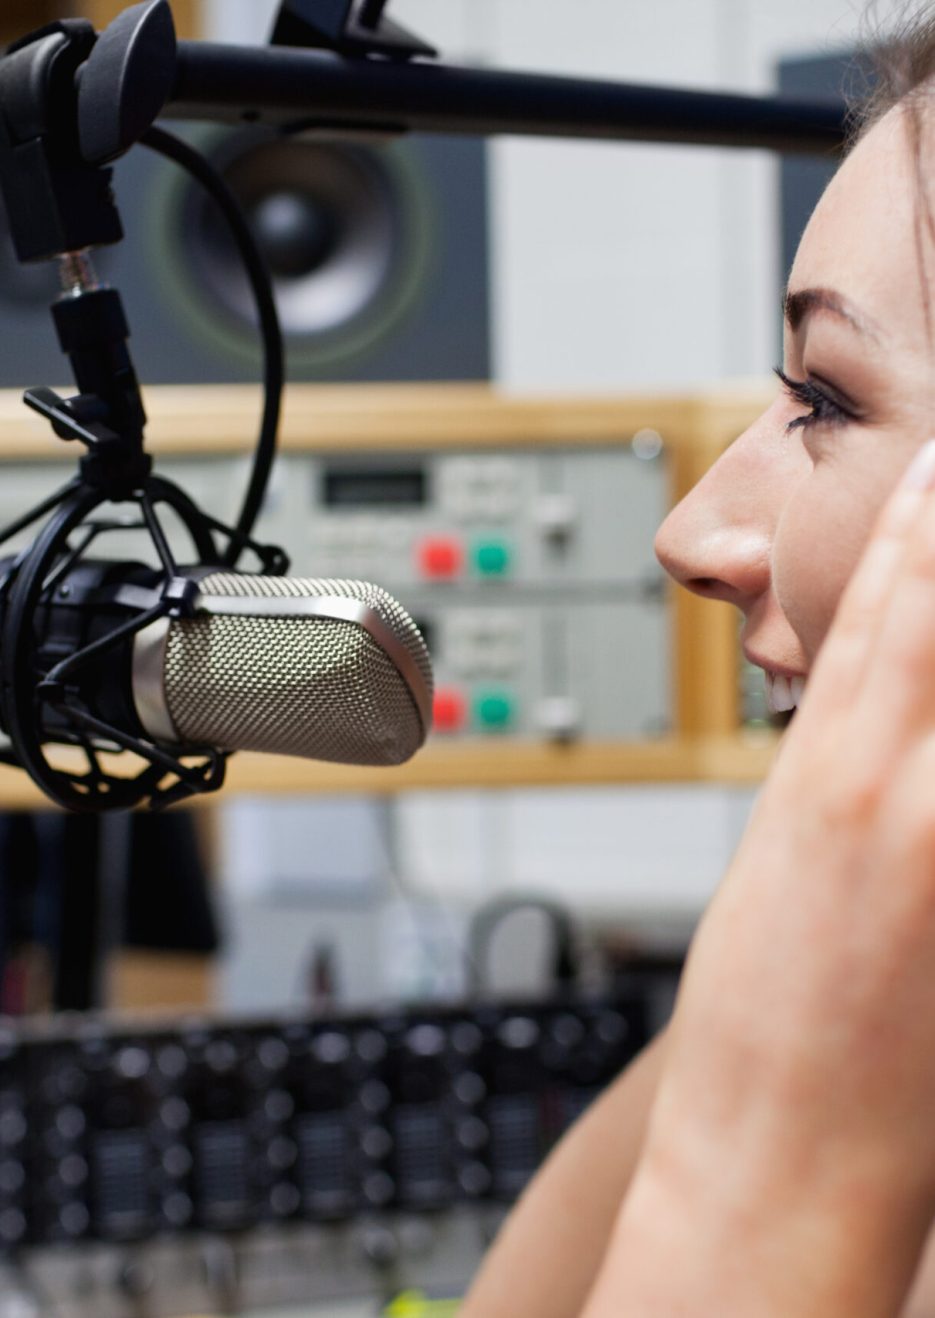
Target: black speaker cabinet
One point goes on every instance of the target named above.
(378, 250)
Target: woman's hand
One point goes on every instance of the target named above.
(790, 1163)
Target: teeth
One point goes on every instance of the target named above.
(778, 695)
(783, 693)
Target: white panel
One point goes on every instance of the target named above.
(301, 845)
(643, 850)
(452, 842)
(606, 275)
(611, 851)
(605, 265)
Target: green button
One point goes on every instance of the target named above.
(494, 709)
(492, 557)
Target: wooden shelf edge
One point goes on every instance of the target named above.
(735, 760)
(204, 419)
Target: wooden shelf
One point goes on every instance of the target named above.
(206, 419)
(744, 759)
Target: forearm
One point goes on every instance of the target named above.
(545, 1259)
(758, 1237)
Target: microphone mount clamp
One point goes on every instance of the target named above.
(57, 129)
(356, 28)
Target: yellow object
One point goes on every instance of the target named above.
(413, 1304)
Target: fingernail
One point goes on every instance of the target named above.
(920, 474)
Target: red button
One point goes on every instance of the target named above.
(449, 710)
(440, 557)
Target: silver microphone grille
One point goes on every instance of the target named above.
(329, 670)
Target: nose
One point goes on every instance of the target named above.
(717, 541)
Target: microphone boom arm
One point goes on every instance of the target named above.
(298, 90)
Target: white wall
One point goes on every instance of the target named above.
(624, 266)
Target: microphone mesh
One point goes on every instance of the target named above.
(316, 687)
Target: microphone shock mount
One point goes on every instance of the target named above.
(60, 206)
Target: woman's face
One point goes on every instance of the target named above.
(777, 525)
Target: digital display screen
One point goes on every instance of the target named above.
(374, 487)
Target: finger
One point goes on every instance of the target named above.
(855, 631)
(897, 692)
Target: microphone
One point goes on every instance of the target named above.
(324, 669)
(327, 670)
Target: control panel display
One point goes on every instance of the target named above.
(373, 487)
(531, 570)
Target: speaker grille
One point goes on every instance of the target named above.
(315, 687)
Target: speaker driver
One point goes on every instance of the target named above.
(345, 229)
(379, 253)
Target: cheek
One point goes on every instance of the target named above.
(818, 542)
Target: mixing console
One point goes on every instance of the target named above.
(121, 1135)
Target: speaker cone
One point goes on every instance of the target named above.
(341, 226)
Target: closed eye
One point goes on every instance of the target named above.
(825, 410)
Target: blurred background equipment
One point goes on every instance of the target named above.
(377, 1146)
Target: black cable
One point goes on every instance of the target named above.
(167, 144)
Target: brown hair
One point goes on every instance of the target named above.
(898, 68)
(896, 64)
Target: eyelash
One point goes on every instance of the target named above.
(825, 410)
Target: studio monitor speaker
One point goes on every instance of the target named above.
(378, 252)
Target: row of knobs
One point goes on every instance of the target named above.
(408, 1119)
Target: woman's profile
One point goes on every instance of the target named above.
(774, 1153)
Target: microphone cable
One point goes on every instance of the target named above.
(257, 271)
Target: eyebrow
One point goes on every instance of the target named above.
(802, 302)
